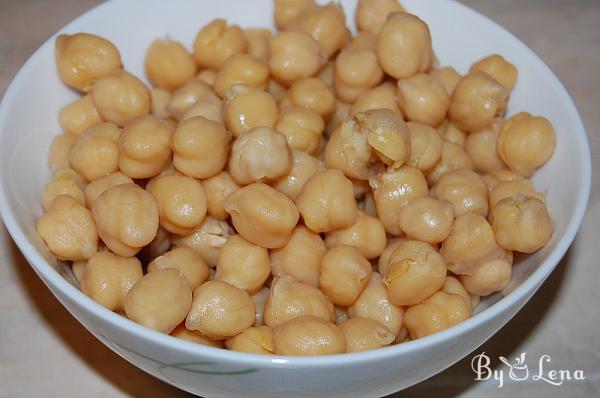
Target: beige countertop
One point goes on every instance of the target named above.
(45, 352)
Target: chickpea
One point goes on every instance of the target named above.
(194, 336)
(327, 202)
(107, 278)
(383, 96)
(526, 142)
(342, 111)
(160, 300)
(159, 102)
(95, 154)
(181, 202)
(365, 334)
(95, 188)
(83, 58)
(447, 76)
(207, 108)
(426, 219)
(372, 14)
(425, 146)
(302, 128)
(326, 24)
(61, 186)
(356, 70)
(416, 271)
(301, 257)
(499, 69)
(367, 235)
(404, 45)
(276, 90)
(217, 189)
(383, 263)
(241, 69)
(294, 55)
(392, 190)
(454, 157)
(471, 241)
(308, 335)
(67, 173)
(120, 97)
(79, 115)
(449, 132)
(216, 42)
(258, 43)
(168, 64)
(200, 147)
(311, 93)
(344, 274)
(243, 264)
(508, 189)
(207, 76)
(490, 277)
(220, 310)
(482, 148)
(260, 300)
(454, 286)
(439, 312)
(262, 215)
(326, 74)
(188, 261)
(159, 246)
(189, 94)
(422, 99)
(68, 230)
(207, 239)
(465, 189)
(254, 340)
(58, 157)
(476, 101)
(521, 223)
(246, 108)
(126, 217)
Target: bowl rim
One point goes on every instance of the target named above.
(528, 287)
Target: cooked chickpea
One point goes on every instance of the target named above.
(526, 142)
(454, 286)
(83, 58)
(220, 310)
(365, 334)
(451, 133)
(326, 24)
(187, 260)
(425, 146)
(454, 157)
(301, 256)
(216, 42)
(308, 335)
(210, 109)
(439, 312)
(498, 68)
(207, 76)
(181, 202)
(327, 202)
(367, 235)
(126, 217)
(465, 189)
(490, 277)
(289, 299)
(68, 230)
(471, 241)
(371, 14)
(168, 64)
(476, 100)
(521, 223)
(423, 100)
(160, 300)
(254, 340)
(383, 263)
(508, 189)
(246, 107)
(447, 76)
(217, 189)
(286, 11)
(95, 188)
(258, 43)
(200, 147)
(62, 186)
(95, 154)
(302, 128)
(344, 274)
(243, 264)
(416, 271)
(107, 278)
(120, 97)
(181, 332)
(79, 116)
(404, 45)
(207, 239)
(311, 93)
(262, 215)
(482, 148)
(58, 156)
(387, 134)
(392, 190)
(241, 69)
(356, 70)
(426, 219)
(159, 102)
(384, 96)
(294, 55)
(188, 95)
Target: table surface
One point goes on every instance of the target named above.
(44, 351)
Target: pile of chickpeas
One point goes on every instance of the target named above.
(299, 192)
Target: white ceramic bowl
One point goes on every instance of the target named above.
(28, 121)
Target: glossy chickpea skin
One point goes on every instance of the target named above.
(68, 230)
(344, 274)
(490, 277)
(286, 11)
(262, 215)
(365, 334)
(168, 64)
(302, 128)
(526, 142)
(383, 263)
(447, 76)
(145, 147)
(454, 157)
(220, 310)
(482, 148)
(258, 43)
(188, 95)
(160, 300)
(240, 69)
(207, 239)
(454, 286)
(499, 69)
(356, 69)
(426, 219)
(209, 108)
(422, 99)
(60, 185)
(95, 154)
(83, 58)
(371, 14)
(200, 147)
(404, 45)
(294, 55)
(465, 189)
(367, 235)
(79, 115)
(451, 133)
(60, 146)
(216, 42)
(95, 188)
(416, 271)
(191, 264)
(254, 340)
(121, 97)
(243, 264)
(439, 312)
(246, 108)
(508, 189)
(476, 101)
(107, 278)
(521, 223)
(312, 93)
(384, 96)
(126, 217)
(326, 24)
(308, 335)
(217, 189)
(425, 146)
